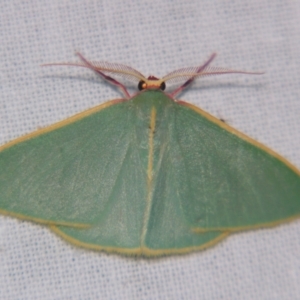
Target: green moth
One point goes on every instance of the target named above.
(146, 175)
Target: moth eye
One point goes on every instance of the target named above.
(142, 85)
(162, 86)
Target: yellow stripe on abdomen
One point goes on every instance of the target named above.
(149, 174)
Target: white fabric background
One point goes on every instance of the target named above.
(154, 37)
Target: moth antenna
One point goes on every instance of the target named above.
(104, 67)
(105, 77)
(190, 80)
(204, 70)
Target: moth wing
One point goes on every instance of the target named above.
(230, 182)
(73, 173)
